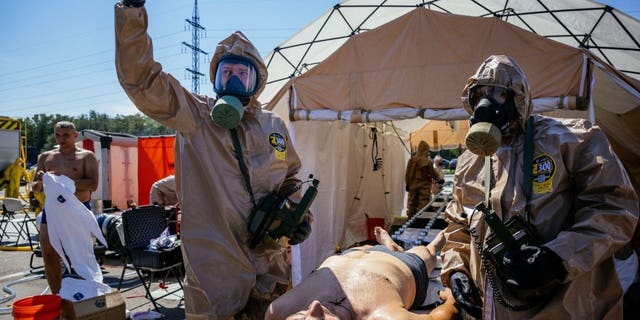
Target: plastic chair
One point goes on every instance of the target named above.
(141, 225)
(11, 207)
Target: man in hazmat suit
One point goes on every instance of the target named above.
(163, 192)
(419, 177)
(230, 155)
(562, 191)
(11, 180)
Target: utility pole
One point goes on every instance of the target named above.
(196, 33)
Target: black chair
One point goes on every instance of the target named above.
(141, 225)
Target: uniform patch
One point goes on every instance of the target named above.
(544, 168)
(279, 145)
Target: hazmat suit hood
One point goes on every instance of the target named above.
(423, 149)
(238, 44)
(501, 71)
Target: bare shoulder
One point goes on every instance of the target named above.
(84, 152)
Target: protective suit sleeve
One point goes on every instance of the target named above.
(456, 251)
(606, 206)
(154, 92)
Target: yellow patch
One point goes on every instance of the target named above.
(279, 145)
(544, 169)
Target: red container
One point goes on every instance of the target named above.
(44, 307)
(372, 223)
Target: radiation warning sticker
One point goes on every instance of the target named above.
(279, 144)
(544, 168)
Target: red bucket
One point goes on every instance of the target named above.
(45, 307)
(372, 223)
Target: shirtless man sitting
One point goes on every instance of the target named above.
(380, 282)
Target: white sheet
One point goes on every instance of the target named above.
(71, 227)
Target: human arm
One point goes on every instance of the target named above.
(445, 311)
(154, 92)
(89, 180)
(40, 171)
(605, 206)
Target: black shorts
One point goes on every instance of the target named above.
(415, 264)
(44, 214)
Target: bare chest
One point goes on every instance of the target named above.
(70, 165)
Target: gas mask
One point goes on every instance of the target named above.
(493, 113)
(236, 80)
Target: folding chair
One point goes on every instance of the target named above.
(11, 207)
(140, 226)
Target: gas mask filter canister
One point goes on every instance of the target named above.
(227, 112)
(490, 117)
(483, 138)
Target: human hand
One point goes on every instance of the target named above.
(302, 232)
(133, 3)
(39, 175)
(532, 267)
(466, 294)
(446, 296)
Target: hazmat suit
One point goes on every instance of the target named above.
(11, 180)
(419, 177)
(163, 191)
(221, 270)
(582, 205)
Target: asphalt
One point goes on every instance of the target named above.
(22, 275)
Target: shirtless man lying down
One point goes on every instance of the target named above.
(379, 282)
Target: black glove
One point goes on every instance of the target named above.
(133, 3)
(302, 232)
(531, 267)
(441, 181)
(466, 294)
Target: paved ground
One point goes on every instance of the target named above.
(18, 280)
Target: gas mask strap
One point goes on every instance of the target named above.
(243, 166)
(487, 181)
(527, 165)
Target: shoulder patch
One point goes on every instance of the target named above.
(544, 169)
(279, 145)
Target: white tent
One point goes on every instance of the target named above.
(390, 64)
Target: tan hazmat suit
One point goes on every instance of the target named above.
(11, 180)
(221, 270)
(163, 191)
(419, 177)
(582, 204)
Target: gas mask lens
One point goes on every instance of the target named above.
(496, 95)
(236, 76)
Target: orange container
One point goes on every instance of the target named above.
(372, 223)
(44, 307)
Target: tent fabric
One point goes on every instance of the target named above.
(440, 135)
(607, 32)
(421, 59)
(155, 161)
(357, 63)
(349, 189)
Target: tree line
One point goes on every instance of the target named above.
(40, 127)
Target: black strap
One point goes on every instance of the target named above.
(243, 166)
(527, 165)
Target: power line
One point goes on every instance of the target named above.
(73, 59)
(196, 51)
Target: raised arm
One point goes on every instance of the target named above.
(154, 92)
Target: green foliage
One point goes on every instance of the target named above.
(40, 126)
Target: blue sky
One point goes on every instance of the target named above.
(58, 57)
